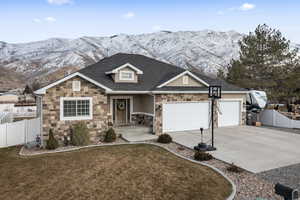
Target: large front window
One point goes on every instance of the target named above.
(75, 108)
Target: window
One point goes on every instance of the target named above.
(75, 108)
(76, 86)
(185, 80)
(126, 76)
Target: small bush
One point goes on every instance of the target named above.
(164, 138)
(110, 135)
(52, 143)
(202, 156)
(233, 168)
(80, 134)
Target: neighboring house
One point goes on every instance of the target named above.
(127, 89)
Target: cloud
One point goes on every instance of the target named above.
(129, 15)
(50, 19)
(59, 2)
(220, 13)
(156, 28)
(247, 6)
(46, 19)
(36, 20)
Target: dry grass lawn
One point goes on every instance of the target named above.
(112, 172)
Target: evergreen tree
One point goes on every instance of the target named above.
(266, 62)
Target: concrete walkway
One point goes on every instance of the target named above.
(136, 133)
(252, 148)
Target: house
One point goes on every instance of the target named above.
(127, 89)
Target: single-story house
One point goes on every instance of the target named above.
(130, 89)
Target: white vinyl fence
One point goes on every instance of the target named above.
(274, 118)
(20, 132)
(6, 117)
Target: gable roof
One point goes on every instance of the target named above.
(138, 71)
(43, 89)
(182, 74)
(155, 73)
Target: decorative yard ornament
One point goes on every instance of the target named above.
(201, 146)
(214, 92)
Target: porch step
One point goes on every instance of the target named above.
(136, 133)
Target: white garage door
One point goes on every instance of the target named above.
(230, 113)
(185, 116)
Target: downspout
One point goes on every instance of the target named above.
(153, 126)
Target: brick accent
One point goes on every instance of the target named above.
(51, 109)
(164, 98)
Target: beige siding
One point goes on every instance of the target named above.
(141, 102)
(179, 82)
(116, 76)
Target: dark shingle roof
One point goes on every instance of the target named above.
(154, 73)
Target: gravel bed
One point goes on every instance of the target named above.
(289, 176)
(35, 151)
(249, 185)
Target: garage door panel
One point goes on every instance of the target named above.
(185, 116)
(229, 113)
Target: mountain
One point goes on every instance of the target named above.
(206, 50)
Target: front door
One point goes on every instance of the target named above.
(121, 111)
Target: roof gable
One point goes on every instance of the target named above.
(183, 74)
(127, 65)
(44, 89)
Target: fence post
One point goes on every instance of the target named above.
(25, 131)
(6, 134)
(273, 118)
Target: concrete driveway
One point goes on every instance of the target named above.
(252, 148)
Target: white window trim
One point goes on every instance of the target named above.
(61, 111)
(126, 79)
(74, 86)
(185, 80)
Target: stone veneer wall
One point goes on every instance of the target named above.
(51, 109)
(164, 98)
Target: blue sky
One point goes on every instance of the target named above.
(31, 20)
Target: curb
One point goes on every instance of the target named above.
(231, 196)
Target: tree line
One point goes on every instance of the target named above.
(266, 62)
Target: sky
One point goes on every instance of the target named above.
(32, 20)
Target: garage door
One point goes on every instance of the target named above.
(229, 113)
(185, 116)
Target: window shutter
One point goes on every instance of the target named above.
(76, 86)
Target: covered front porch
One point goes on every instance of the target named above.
(132, 116)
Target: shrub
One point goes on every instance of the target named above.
(164, 138)
(110, 135)
(80, 134)
(202, 156)
(52, 143)
(233, 168)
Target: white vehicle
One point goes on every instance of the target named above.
(256, 100)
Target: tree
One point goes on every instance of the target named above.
(266, 62)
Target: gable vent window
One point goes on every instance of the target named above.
(185, 80)
(126, 76)
(75, 108)
(76, 86)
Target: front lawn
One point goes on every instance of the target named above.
(111, 172)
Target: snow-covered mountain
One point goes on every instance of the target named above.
(207, 50)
